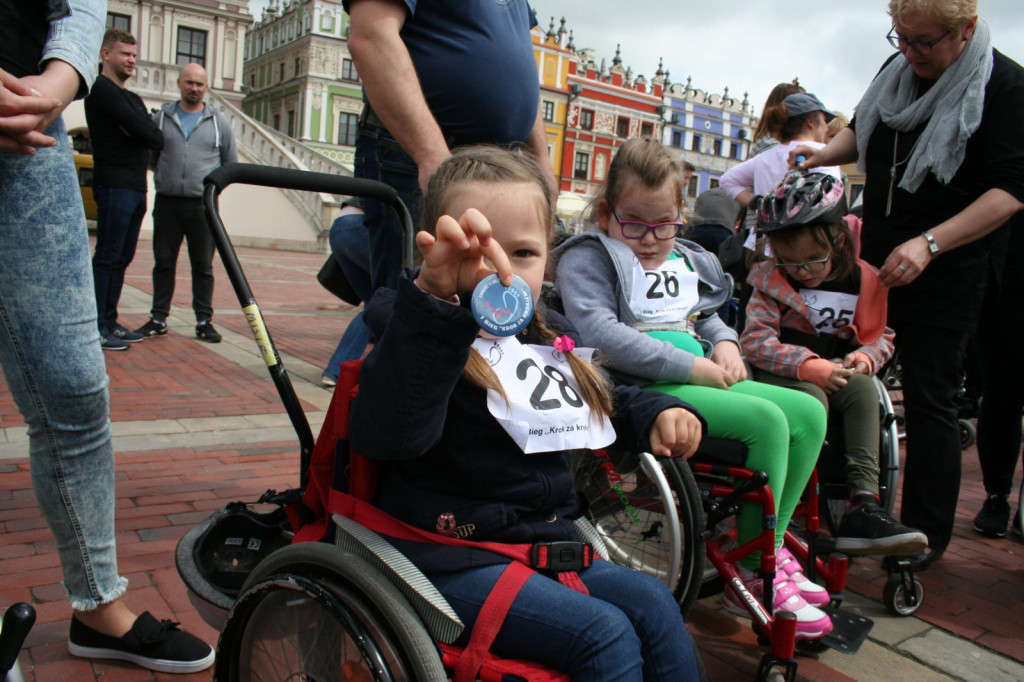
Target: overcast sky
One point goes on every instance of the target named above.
(750, 45)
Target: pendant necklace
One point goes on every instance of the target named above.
(895, 166)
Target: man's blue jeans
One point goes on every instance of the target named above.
(628, 629)
(52, 360)
(350, 246)
(380, 157)
(117, 233)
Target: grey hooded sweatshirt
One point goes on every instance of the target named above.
(179, 169)
(594, 278)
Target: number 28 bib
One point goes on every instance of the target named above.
(545, 411)
(666, 295)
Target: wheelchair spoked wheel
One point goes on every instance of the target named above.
(648, 514)
(317, 613)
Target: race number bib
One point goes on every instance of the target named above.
(666, 295)
(545, 411)
(829, 310)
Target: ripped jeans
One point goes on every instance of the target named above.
(52, 360)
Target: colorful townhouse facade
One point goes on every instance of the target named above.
(299, 77)
(709, 131)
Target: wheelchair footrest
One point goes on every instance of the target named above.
(849, 630)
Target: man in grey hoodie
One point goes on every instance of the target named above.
(197, 140)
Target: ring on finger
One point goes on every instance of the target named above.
(901, 267)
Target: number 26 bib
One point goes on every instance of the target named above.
(666, 295)
(545, 411)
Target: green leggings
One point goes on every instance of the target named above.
(783, 430)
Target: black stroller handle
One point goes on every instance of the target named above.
(285, 178)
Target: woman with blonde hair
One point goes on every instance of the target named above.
(938, 134)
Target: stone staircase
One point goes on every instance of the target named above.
(260, 144)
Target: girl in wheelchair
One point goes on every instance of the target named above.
(474, 428)
(816, 323)
(648, 302)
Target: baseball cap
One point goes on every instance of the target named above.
(804, 103)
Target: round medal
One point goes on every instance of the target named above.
(501, 310)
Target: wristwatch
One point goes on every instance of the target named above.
(933, 246)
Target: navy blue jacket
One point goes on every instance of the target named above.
(447, 453)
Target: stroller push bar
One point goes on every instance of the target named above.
(283, 178)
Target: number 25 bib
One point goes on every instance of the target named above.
(666, 295)
(545, 411)
(829, 311)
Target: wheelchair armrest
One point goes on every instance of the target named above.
(438, 616)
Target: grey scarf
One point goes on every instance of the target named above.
(952, 107)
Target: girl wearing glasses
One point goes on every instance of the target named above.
(648, 300)
(816, 323)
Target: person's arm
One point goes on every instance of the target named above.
(391, 84)
(760, 338)
(538, 144)
(841, 149)
(738, 181)
(118, 107)
(986, 213)
(637, 416)
(228, 150)
(22, 110)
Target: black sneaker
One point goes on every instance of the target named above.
(153, 328)
(110, 342)
(126, 335)
(156, 645)
(994, 517)
(868, 529)
(206, 332)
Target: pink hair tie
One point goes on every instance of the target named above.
(563, 344)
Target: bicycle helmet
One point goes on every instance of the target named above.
(801, 198)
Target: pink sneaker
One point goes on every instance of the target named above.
(813, 593)
(811, 622)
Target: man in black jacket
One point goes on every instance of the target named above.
(122, 136)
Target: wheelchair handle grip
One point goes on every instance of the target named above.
(17, 621)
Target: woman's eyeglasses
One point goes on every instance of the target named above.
(812, 266)
(922, 47)
(636, 229)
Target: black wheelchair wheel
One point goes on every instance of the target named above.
(629, 509)
(317, 613)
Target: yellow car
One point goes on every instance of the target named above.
(83, 166)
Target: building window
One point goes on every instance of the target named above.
(348, 125)
(647, 130)
(691, 190)
(622, 127)
(191, 46)
(586, 119)
(735, 152)
(280, 71)
(291, 123)
(695, 143)
(677, 138)
(298, 66)
(716, 146)
(120, 21)
(582, 165)
(713, 183)
(348, 70)
(277, 121)
(252, 80)
(548, 110)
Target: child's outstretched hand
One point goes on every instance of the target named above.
(459, 255)
(676, 433)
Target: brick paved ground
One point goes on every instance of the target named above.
(973, 610)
